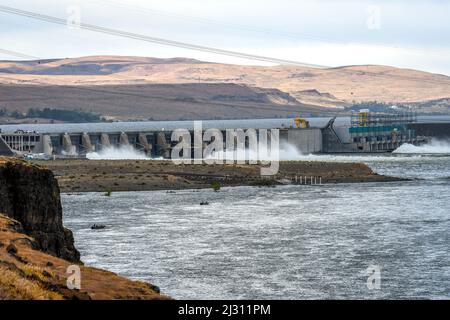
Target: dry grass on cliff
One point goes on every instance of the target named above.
(15, 287)
(19, 279)
(29, 274)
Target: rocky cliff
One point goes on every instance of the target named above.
(30, 195)
(37, 252)
(30, 274)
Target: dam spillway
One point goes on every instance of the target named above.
(152, 138)
(324, 135)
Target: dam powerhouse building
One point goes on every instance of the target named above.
(363, 132)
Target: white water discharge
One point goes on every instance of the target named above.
(118, 153)
(434, 147)
(287, 153)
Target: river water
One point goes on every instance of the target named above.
(288, 242)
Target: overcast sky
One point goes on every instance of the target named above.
(403, 33)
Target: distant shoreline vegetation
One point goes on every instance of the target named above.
(76, 116)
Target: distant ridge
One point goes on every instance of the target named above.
(304, 87)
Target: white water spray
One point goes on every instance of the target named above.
(287, 153)
(125, 152)
(433, 147)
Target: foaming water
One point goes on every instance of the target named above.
(118, 153)
(287, 152)
(411, 166)
(405, 153)
(129, 153)
(277, 243)
(434, 147)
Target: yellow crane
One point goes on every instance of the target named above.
(301, 123)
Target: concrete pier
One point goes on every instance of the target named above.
(123, 140)
(104, 140)
(86, 142)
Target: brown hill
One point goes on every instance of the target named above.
(301, 86)
(157, 101)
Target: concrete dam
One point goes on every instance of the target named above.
(363, 132)
(155, 140)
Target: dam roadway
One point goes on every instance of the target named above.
(137, 126)
(154, 137)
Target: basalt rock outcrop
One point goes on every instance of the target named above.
(27, 273)
(30, 194)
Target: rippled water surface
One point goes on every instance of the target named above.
(286, 242)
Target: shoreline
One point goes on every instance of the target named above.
(144, 175)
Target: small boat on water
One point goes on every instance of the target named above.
(98, 227)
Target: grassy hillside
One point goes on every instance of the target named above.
(186, 89)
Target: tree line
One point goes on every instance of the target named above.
(54, 114)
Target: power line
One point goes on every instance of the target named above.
(305, 107)
(445, 81)
(157, 40)
(163, 97)
(162, 41)
(17, 54)
(160, 97)
(145, 10)
(290, 35)
(121, 77)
